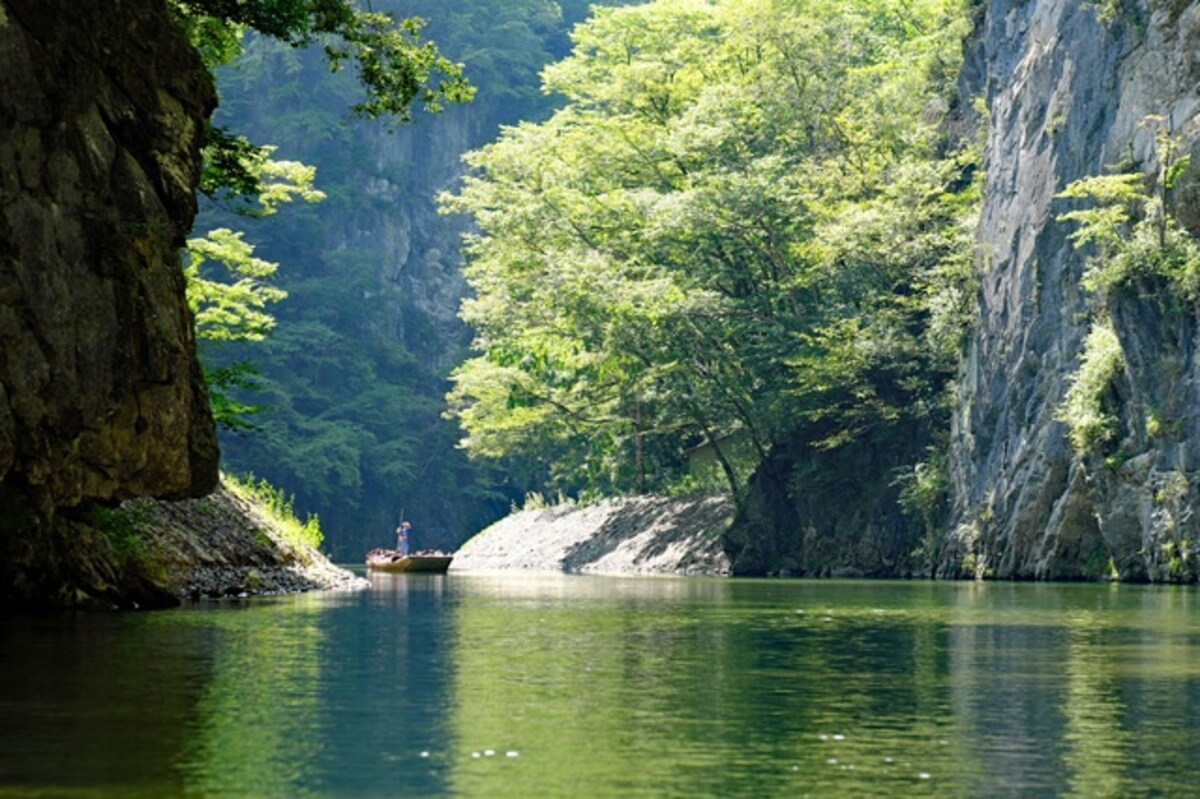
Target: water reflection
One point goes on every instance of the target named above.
(732, 688)
(74, 690)
(251, 729)
(687, 688)
(476, 685)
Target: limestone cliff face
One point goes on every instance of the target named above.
(101, 397)
(1069, 94)
(415, 249)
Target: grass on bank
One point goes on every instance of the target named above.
(280, 507)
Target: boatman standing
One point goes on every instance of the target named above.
(402, 538)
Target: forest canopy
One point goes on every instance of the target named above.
(724, 225)
(393, 65)
(351, 378)
(745, 221)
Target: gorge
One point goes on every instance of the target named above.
(100, 136)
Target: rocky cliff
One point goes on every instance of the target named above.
(102, 107)
(811, 512)
(1070, 87)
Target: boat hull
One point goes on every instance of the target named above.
(435, 564)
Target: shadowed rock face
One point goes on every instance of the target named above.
(1068, 95)
(830, 513)
(102, 108)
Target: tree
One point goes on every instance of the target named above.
(739, 224)
(393, 65)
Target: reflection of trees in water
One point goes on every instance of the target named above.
(1097, 740)
(256, 727)
(703, 686)
(610, 686)
(73, 694)
(328, 694)
(1079, 690)
(578, 683)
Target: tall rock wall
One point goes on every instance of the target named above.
(101, 397)
(419, 280)
(1069, 94)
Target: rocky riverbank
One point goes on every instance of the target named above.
(637, 535)
(225, 545)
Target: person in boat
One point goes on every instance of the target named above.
(402, 533)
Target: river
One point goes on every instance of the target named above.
(530, 686)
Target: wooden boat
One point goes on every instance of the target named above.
(389, 560)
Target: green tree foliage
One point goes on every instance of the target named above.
(353, 375)
(230, 311)
(393, 65)
(741, 222)
(1132, 234)
(228, 288)
(229, 307)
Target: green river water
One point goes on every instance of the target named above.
(524, 686)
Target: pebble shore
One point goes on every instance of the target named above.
(223, 546)
(633, 535)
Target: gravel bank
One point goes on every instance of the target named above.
(222, 545)
(638, 535)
